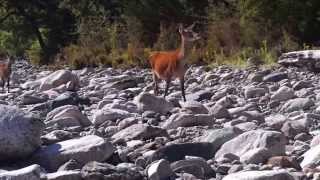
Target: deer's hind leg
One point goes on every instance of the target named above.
(155, 84)
(168, 80)
(8, 84)
(2, 84)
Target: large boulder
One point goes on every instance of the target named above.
(83, 150)
(19, 133)
(58, 78)
(146, 101)
(272, 141)
(260, 175)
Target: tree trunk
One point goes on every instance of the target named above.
(35, 29)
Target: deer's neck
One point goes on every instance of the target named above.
(181, 51)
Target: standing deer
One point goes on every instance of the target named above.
(5, 70)
(168, 65)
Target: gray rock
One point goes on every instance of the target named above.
(256, 77)
(160, 170)
(219, 111)
(96, 171)
(122, 84)
(276, 121)
(194, 107)
(128, 122)
(28, 173)
(33, 99)
(275, 77)
(301, 85)
(260, 175)
(19, 133)
(308, 59)
(252, 92)
(67, 116)
(247, 126)
(293, 127)
(70, 165)
(68, 98)
(255, 156)
(283, 94)
(64, 175)
(271, 140)
(176, 152)
(200, 95)
(139, 131)
(187, 120)
(315, 141)
(83, 150)
(146, 102)
(56, 136)
(57, 78)
(297, 104)
(102, 115)
(219, 136)
(195, 166)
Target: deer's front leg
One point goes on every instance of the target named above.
(155, 84)
(8, 84)
(182, 88)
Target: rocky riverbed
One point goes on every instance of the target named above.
(104, 123)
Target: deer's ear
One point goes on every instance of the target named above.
(191, 26)
(180, 28)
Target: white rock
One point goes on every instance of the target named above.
(146, 102)
(260, 175)
(64, 175)
(311, 156)
(160, 170)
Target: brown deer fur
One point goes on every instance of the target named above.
(168, 65)
(5, 71)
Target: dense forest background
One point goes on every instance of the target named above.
(121, 33)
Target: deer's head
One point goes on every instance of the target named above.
(188, 34)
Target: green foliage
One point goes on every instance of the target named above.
(123, 32)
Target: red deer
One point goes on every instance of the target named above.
(169, 65)
(5, 70)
